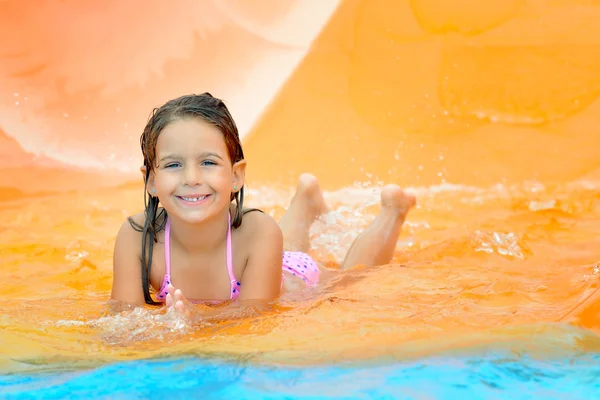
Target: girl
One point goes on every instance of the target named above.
(202, 240)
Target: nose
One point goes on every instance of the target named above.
(192, 175)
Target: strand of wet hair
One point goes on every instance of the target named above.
(149, 237)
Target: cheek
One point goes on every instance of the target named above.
(223, 178)
(165, 181)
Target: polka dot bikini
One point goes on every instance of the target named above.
(301, 265)
(235, 284)
(294, 262)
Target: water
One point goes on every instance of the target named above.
(486, 377)
(473, 303)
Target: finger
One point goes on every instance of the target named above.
(170, 288)
(179, 295)
(179, 307)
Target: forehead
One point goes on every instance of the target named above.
(190, 135)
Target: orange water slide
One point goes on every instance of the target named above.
(79, 79)
(428, 91)
(416, 92)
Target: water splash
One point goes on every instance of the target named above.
(505, 244)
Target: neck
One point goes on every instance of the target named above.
(194, 238)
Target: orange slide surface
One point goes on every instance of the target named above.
(487, 110)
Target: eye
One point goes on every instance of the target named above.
(208, 162)
(172, 165)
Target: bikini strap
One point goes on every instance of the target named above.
(232, 278)
(168, 248)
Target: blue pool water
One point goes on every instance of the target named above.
(439, 378)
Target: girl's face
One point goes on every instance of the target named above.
(193, 177)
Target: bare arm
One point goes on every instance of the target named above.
(127, 274)
(261, 281)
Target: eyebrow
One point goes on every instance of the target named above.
(179, 156)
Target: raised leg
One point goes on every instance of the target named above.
(306, 206)
(377, 243)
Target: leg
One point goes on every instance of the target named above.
(377, 243)
(306, 206)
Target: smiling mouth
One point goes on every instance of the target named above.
(193, 199)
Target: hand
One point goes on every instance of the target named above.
(177, 302)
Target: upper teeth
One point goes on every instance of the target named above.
(193, 198)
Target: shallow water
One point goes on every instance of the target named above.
(474, 269)
(486, 377)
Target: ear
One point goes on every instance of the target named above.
(239, 176)
(150, 185)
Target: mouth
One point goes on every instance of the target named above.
(193, 199)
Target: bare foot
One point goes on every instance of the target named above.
(377, 243)
(306, 206)
(395, 202)
(309, 189)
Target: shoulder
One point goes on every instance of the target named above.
(132, 227)
(137, 219)
(258, 226)
(130, 234)
(127, 275)
(263, 242)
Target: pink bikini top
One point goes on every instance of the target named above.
(235, 284)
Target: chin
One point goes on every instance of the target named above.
(197, 217)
